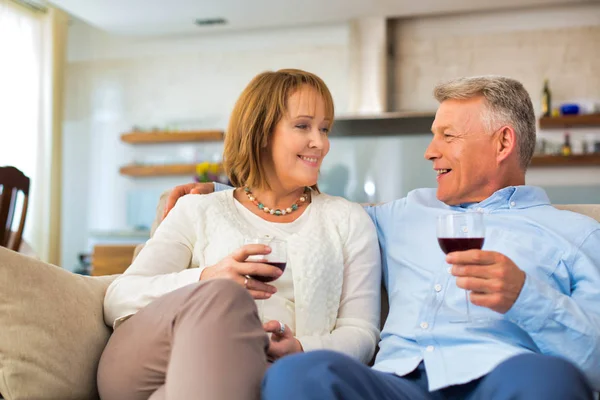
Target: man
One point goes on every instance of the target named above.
(533, 287)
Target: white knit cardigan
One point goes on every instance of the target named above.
(202, 230)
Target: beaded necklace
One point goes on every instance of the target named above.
(276, 211)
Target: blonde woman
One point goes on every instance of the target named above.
(186, 325)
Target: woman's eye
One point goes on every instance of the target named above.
(302, 126)
(325, 130)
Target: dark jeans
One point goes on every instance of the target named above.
(325, 375)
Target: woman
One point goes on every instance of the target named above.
(185, 322)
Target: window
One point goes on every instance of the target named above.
(20, 86)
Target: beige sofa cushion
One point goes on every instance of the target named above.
(591, 210)
(52, 330)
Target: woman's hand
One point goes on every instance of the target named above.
(235, 268)
(281, 344)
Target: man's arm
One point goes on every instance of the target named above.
(564, 325)
(191, 188)
(210, 187)
(567, 326)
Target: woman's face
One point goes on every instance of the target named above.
(299, 142)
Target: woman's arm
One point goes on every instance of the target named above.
(161, 266)
(357, 328)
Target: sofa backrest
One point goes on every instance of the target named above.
(591, 210)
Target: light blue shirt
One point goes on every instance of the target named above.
(557, 312)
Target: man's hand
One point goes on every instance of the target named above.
(281, 344)
(182, 190)
(494, 280)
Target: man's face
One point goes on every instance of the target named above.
(463, 153)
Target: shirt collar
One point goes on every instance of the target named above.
(509, 197)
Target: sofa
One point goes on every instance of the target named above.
(52, 331)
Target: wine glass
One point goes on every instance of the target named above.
(277, 257)
(461, 232)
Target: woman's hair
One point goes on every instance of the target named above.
(257, 111)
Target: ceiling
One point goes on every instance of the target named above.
(169, 17)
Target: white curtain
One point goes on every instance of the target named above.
(29, 130)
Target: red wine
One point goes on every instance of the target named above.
(449, 245)
(280, 265)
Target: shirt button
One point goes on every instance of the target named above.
(512, 204)
(479, 209)
(430, 348)
(438, 287)
(449, 270)
(424, 325)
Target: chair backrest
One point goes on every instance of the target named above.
(12, 181)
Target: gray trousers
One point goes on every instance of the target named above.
(204, 341)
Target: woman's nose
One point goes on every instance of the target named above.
(316, 139)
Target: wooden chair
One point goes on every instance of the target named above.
(11, 182)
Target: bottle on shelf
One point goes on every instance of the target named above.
(566, 149)
(546, 100)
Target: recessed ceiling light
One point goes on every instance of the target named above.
(210, 21)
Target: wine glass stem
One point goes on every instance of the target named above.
(467, 303)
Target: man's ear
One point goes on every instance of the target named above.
(506, 143)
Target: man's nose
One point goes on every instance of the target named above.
(431, 153)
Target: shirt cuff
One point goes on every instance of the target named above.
(534, 305)
(310, 343)
(218, 187)
(189, 276)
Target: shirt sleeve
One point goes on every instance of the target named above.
(220, 187)
(563, 325)
(356, 332)
(161, 266)
(382, 215)
(371, 212)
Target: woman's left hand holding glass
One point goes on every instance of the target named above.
(283, 341)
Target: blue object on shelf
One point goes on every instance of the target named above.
(569, 109)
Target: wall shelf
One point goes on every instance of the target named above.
(172, 137)
(570, 121)
(137, 170)
(579, 160)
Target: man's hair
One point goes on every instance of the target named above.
(259, 108)
(507, 103)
